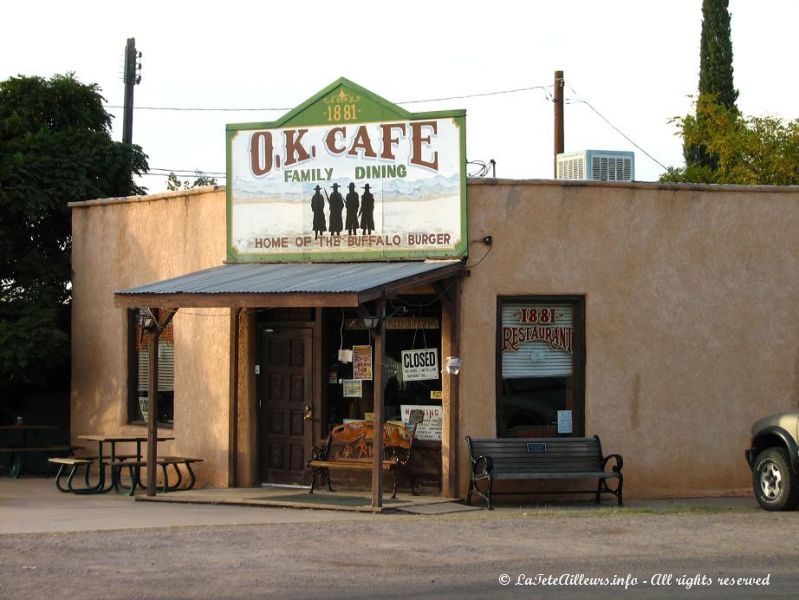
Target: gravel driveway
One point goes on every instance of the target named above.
(558, 550)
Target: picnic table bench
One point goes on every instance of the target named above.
(134, 468)
(349, 446)
(65, 462)
(523, 459)
(76, 462)
(18, 453)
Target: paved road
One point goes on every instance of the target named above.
(402, 556)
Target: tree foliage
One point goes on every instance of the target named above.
(715, 75)
(174, 184)
(715, 54)
(746, 150)
(55, 148)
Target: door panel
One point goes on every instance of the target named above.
(286, 388)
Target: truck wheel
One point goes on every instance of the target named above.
(776, 487)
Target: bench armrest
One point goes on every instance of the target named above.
(319, 453)
(482, 465)
(619, 462)
(399, 455)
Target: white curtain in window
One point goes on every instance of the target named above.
(537, 340)
(166, 368)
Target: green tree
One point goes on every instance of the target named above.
(715, 54)
(746, 150)
(174, 184)
(55, 148)
(715, 74)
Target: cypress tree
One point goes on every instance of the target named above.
(715, 54)
(715, 78)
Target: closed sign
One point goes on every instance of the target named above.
(419, 365)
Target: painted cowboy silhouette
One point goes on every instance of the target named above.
(367, 211)
(352, 210)
(336, 206)
(318, 208)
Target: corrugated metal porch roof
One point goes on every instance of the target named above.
(287, 284)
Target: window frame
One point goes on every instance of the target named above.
(133, 415)
(579, 359)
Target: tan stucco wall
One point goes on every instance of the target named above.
(119, 244)
(692, 304)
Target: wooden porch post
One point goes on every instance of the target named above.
(161, 320)
(377, 425)
(454, 390)
(450, 299)
(152, 403)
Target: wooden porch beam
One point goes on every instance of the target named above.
(377, 425)
(245, 300)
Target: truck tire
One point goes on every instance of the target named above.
(776, 487)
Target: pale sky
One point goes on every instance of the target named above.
(634, 61)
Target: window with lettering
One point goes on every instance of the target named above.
(541, 367)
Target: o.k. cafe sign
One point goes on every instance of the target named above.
(347, 176)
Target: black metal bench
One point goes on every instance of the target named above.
(541, 458)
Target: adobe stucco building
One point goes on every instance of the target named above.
(677, 327)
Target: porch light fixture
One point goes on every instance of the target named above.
(453, 365)
(148, 322)
(371, 322)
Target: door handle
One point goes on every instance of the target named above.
(307, 415)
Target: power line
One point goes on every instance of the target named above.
(479, 95)
(186, 175)
(545, 89)
(619, 131)
(187, 108)
(604, 118)
(188, 171)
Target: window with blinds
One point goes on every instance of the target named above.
(537, 340)
(541, 371)
(139, 376)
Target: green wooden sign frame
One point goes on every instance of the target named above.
(320, 110)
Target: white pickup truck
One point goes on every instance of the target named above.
(774, 460)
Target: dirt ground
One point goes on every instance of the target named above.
(568, 551)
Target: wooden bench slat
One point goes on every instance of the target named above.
(332, 464)
(69, 461)
(117, 456)
(42, 449)
(572, 475)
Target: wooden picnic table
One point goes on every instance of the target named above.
(112, 441)
(17, 447)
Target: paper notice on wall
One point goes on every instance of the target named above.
(362, 362)
(565, 421)
(353, 388)
(430, 428)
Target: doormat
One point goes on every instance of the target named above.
(329, 499)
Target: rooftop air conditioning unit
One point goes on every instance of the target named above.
(597, 165)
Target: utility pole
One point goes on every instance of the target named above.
(132, 77)
(558, 100)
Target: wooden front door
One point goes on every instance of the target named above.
(286, 392)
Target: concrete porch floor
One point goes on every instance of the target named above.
(291, 497)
